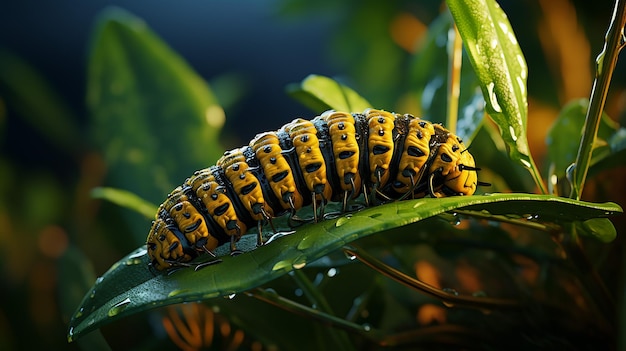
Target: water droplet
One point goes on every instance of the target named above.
(284, 264)
(523, 68)
(138, 253)
(367, 327)
(450, 291)
(93, 294)
(119, 307)
(343, 220)
(176, 292)
(230, 296)
(298, 292)
(332, 272)
(522, 84)
(298, 265)
(493, 43)
(569, 173)
(271, 291)
(493, 99)
(99, 280)
(600, 62)
(210, 295)
(350, 256)
(455, 219)
(525, 162)
(70, 334)
(79, 313)
(512, 132)
(133, 261)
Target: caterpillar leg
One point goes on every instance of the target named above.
(347, 195)
(318, 210)
(234, 251)
(176, 264)
(293, 220)
(431, 185)
(376, 189)
(415, 183)
(199, 266)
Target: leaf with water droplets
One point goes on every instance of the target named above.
(501, 69)
(127, 289)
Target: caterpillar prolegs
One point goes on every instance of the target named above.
(336, 156)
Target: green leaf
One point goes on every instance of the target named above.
(125, 199)
(616, 157)
(154, 118)
(501, 69)
(28, 93)
(600, 228)
(321, 93)
(75, 278)
(564, 136)
(429, 81)
(130, 286)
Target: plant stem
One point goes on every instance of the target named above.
(483, 303)
(455, 59)
(534, 171)
(294, 307)
(605, 64)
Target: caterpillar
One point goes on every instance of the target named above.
(336, 156)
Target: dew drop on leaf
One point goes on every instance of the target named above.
(118, 307)
(298, 265)
(343, 220)
(351, 257)
(493, 98)
(176, 292)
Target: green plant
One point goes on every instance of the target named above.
(536, 234)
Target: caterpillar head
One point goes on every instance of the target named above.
(453, 171)
(166, 245)
(178, 233)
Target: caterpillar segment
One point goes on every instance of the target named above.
(415, 154)
(213, 194)
(266, 147)
(336, 156)
(346, 153)
(310, 160)
(380, 146)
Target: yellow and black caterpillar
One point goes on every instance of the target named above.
(337, 156)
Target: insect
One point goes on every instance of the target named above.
(336, 156)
